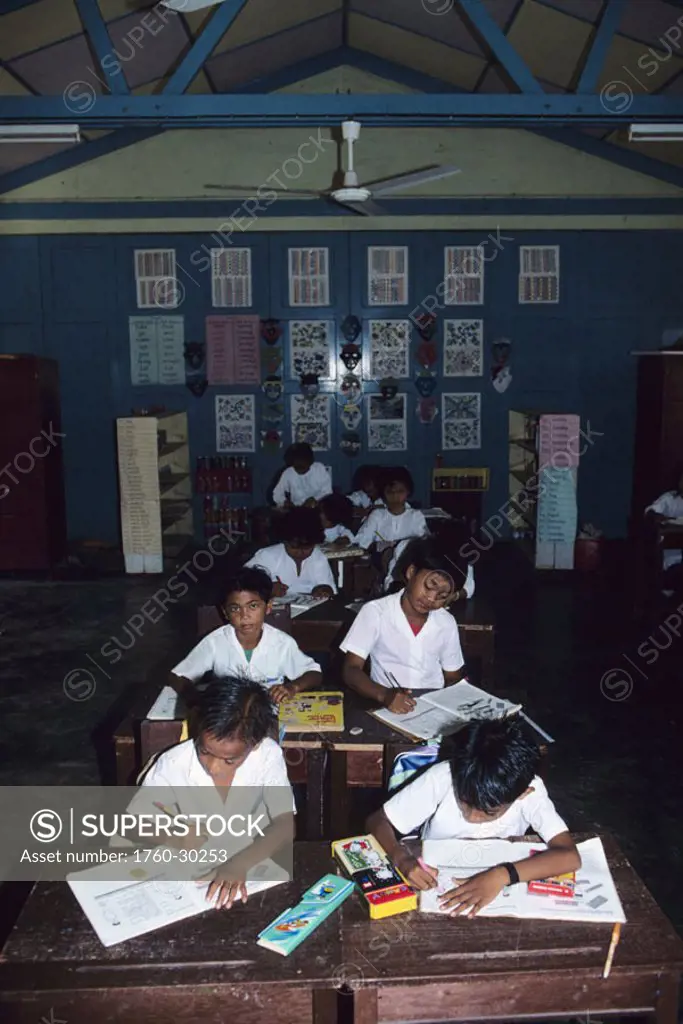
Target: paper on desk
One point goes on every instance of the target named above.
(351, 551)
(298, 603)
(596, 894)
(165, 706)
(121, 906)
(444, 711)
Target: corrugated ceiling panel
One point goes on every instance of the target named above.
(38, 25)
(550, 43)
(269, 55)
(431, 58)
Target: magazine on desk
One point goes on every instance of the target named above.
(595, 895)
(129, 898)
(444, 711)
(313, 711)
(297, 603)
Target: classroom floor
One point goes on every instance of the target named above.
(615, 764)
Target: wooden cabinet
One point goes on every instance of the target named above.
(658, 455)
(32, 508)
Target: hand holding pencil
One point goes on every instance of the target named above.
(399, 700)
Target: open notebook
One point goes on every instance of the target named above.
(298, 603)
(444, 711)
(595, 897)
(128, 899)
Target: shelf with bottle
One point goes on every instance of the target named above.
(220, 474)
(219, 516)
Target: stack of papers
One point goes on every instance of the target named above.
(595, 899)
(444, 711)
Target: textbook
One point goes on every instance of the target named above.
(442, 712)
(313, 712)
(385, 890)
(297, 603)
(128, 899)
(595, 895)
(295, 924)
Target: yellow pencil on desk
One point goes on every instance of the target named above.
(616, 934)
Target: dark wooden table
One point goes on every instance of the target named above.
(422, 967)
(208, 968)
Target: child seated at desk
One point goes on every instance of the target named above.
(298, 565)
(488, 788)
(367, 492)
(248, 646)
(412, 641)
(335, 515)
(669, 506)
(231, 728)
(304, 481)
(387, 526)
(451, 536)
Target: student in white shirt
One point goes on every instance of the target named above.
(336, 512)
(387, 526)
(230, 747)
(410, 638)
(669, 506)
(488, 788)
(248, 646)
(367, 492)
(298, 566)
(304, 481)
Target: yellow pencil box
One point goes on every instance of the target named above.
(385, 890)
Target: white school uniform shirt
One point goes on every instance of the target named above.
(468, 583)
(315, 570)
(384, 527)
(670, 505)
(333, 533)
(180, 769)
(430, 801)
(382, 632)
(276, 657)
(315, 483)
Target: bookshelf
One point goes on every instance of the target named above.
(459, 491)
(155, 488)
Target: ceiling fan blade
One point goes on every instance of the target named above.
(367, 208)
(252, 190)
(401, 181)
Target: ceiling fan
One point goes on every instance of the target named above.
(359, 198)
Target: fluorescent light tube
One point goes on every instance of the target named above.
(655, 132)
(40, 133)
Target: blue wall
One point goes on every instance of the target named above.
(69, 298)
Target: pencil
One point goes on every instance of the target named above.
(616, 934)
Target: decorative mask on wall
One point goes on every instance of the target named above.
(194, 354)
(351, 415)
(501, 371)
(351, 388)
(272, 388)
(426, 325)
(350, 357)
(350, 328)
(271, 441)
(388, 388)
(271, 359)
(427, 353)
(273, 414)
(427, 410)
(425, 383)
(310, 386)
(350, 444)
(197, 385)
(271, 331)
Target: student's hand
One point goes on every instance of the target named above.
(281, 692)
(400, 702)
(470, 896)
(342, 542)
(322, 591)
(418, 875)
(279, 589)
(227, 884)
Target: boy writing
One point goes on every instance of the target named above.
(387, 526)
(298, 565)
(487, 789)
(304, 481)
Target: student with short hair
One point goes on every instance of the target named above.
(411, 640)
(488, 788)
(367, 488)
(387, 526)
(336, 512)
(231, 727)
(247, 646)
(670, 506)
(297, 565)
(304, 481)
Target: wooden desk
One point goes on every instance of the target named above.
(353, 574)
(209, 968)
(420, 967)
